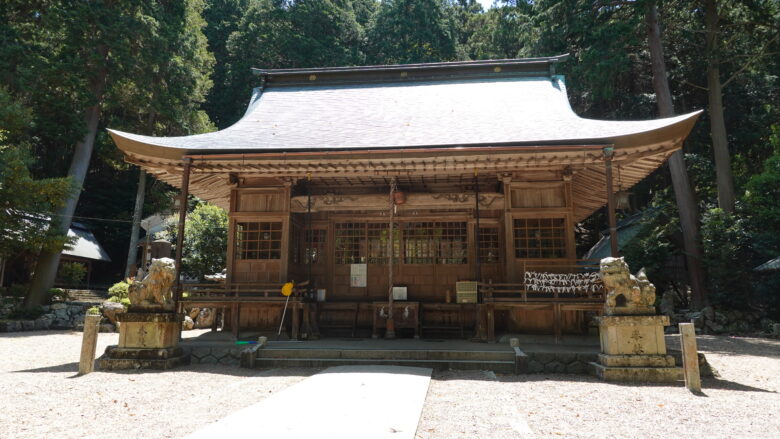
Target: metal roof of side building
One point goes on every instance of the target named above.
(519, 102)
(85, 245)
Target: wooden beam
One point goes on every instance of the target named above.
(377, 202)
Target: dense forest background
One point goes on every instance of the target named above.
(69, 69)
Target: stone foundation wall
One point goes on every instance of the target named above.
(65, 315)
(563, 362)
(215, 355)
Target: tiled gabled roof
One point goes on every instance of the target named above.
(491, 103)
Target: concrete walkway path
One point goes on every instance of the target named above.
(339, 402)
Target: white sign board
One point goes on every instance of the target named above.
(358, 275)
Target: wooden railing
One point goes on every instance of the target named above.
(555, 281)
(244, 292)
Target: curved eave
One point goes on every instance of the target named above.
(670, 131)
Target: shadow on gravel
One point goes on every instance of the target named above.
(216, 369)
(731, 345)
(721, 384)
(28, 334)
(67, 367)
(707, 383)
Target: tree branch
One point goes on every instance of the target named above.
(755, 58)
(686, 82)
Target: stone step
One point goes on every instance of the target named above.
(496, 366)
(387, 354)
(87, 296)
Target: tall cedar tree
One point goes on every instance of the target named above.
(413, 31)
(100, 47)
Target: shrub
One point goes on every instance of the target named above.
(727, 257)
(17, 290)
(124, 301)
(71, 273)
(26, 313)
(58, 294)
(94, 311)
(120, 289)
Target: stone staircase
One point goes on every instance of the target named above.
(88, 296)
(505, 361)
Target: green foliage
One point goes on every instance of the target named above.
(205, 235)
(762, 198)
(58, 294)
(656, 243)
(123, 300)
(26, 313)
(281, 34)
(71, 273)
(24, 200)
(413, 31)
(93, 311)
(726, 244)
(501, 32)
(120, 289)
(17, 290)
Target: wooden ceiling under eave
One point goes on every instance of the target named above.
(210, 180)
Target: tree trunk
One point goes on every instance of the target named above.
(720, 146)
(135, 230)
(47, 264)
(138, 209)
(46, 267)
(686, 201)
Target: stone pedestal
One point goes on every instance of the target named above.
(147, 340)
(633, 348)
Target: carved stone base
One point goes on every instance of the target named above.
(149, 329)
(633, 348)
(638, 374)
(116, 358)
(147, 340)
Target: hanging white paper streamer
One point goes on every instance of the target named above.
(563, 283)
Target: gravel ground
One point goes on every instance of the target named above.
(742, 403)
(42, 397)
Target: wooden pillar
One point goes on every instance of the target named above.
(89, 344)
(509, 246)
(390, 331)
(609, 153)
(690, 357)
(296, 320)
(490, 315)
(184, 193)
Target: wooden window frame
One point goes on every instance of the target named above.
(319, 238)
(489, 240)
(433, 242)
(550, 229)
(265, 248)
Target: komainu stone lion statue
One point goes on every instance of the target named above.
(154, 291)
(625, 293)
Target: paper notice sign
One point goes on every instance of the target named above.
(358, 275)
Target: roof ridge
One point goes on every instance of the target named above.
(427, 66)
